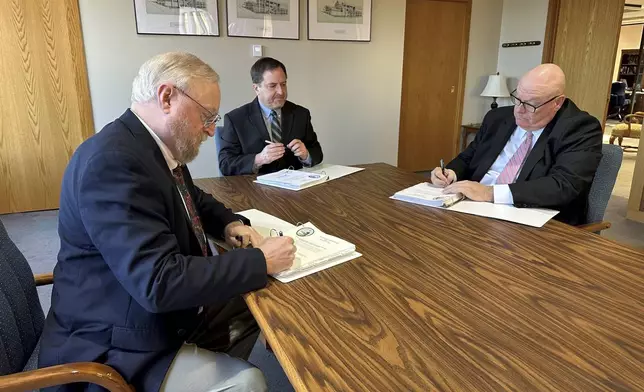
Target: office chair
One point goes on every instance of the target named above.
(21, 324)
(617, 100)
(602, 188)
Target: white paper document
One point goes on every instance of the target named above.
(294, 180)
(316, 251)
(333, 171)
(307, 177)
(428, 195)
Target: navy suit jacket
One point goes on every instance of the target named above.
(559, 169)
(130, 276)
(244, 135)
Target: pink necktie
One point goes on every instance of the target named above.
(511, 170)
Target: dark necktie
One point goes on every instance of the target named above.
(197, 228)
(276, 130)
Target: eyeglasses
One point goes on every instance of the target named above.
(527, 106)
(209, 120)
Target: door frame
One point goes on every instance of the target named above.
(461, 85)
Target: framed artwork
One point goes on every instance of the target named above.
(177, 17)
(339, 20)
(263, 18)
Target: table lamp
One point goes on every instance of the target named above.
(496, 88)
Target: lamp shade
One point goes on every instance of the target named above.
(496, 87)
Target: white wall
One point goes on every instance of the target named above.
(352, 89)
(522, 21)
(629, 38)
(483, 55)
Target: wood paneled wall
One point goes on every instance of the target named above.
(46, 111)
(582, 38)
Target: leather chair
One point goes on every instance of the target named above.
(617, 100)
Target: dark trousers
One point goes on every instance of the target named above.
(228, 328)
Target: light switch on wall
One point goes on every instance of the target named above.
(257, 50)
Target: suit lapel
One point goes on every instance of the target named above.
(257, 119)
(141, 134)
(287, 120)
(498, 143)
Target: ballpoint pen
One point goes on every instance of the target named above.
(443, 167)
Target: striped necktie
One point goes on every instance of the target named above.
(511, 169)
(195, 221)
(276, 130)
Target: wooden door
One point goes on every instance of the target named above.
(582, 38)
(46, 111)
(435, 55)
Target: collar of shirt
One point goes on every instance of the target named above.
(521, 133)
(267, 111)
(167, 154)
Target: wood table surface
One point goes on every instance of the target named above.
(445, 301)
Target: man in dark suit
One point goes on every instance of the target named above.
(135, 278)
(270, 133)
(542, 153)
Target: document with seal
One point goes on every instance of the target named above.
(315, 251)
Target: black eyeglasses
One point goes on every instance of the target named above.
(212, 118)
(527, 106)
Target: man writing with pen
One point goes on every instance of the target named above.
(270, 133)
(541, 153)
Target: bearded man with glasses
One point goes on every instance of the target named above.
(541, 152)
(137, 286)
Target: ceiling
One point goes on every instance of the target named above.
(633, 12)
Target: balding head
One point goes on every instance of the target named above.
(543, 88)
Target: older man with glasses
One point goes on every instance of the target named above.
(136, 285)
(543, 152)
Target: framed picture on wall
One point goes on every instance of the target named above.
(339, 20)
(177, 17)
(263, 18)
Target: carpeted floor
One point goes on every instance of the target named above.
(36, 236)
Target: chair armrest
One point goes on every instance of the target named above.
(91, 372)
(595, 227)
(44, 279)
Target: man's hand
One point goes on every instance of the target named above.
(299, 149)
(279, 253)
(472, 190)
(269, 154)
(441, 180)
(240, 236)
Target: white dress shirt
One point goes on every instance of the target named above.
(502, 193)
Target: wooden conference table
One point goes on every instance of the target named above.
(444, 301)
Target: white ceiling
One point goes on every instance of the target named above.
(633, 14)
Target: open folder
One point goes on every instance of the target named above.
(432, 196)
(307, 177)
(316, 250)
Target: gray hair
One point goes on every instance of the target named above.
(178, 68)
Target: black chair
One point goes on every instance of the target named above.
(617, 101)
(21, 324)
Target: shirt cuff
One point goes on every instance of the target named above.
(503, 195)
(308, 161)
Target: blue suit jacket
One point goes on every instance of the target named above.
(130, 276)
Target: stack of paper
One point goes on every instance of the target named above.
(429, 195)
(316, 251)
(294, 180)
(306, 177)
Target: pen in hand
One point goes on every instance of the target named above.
(443, 168)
